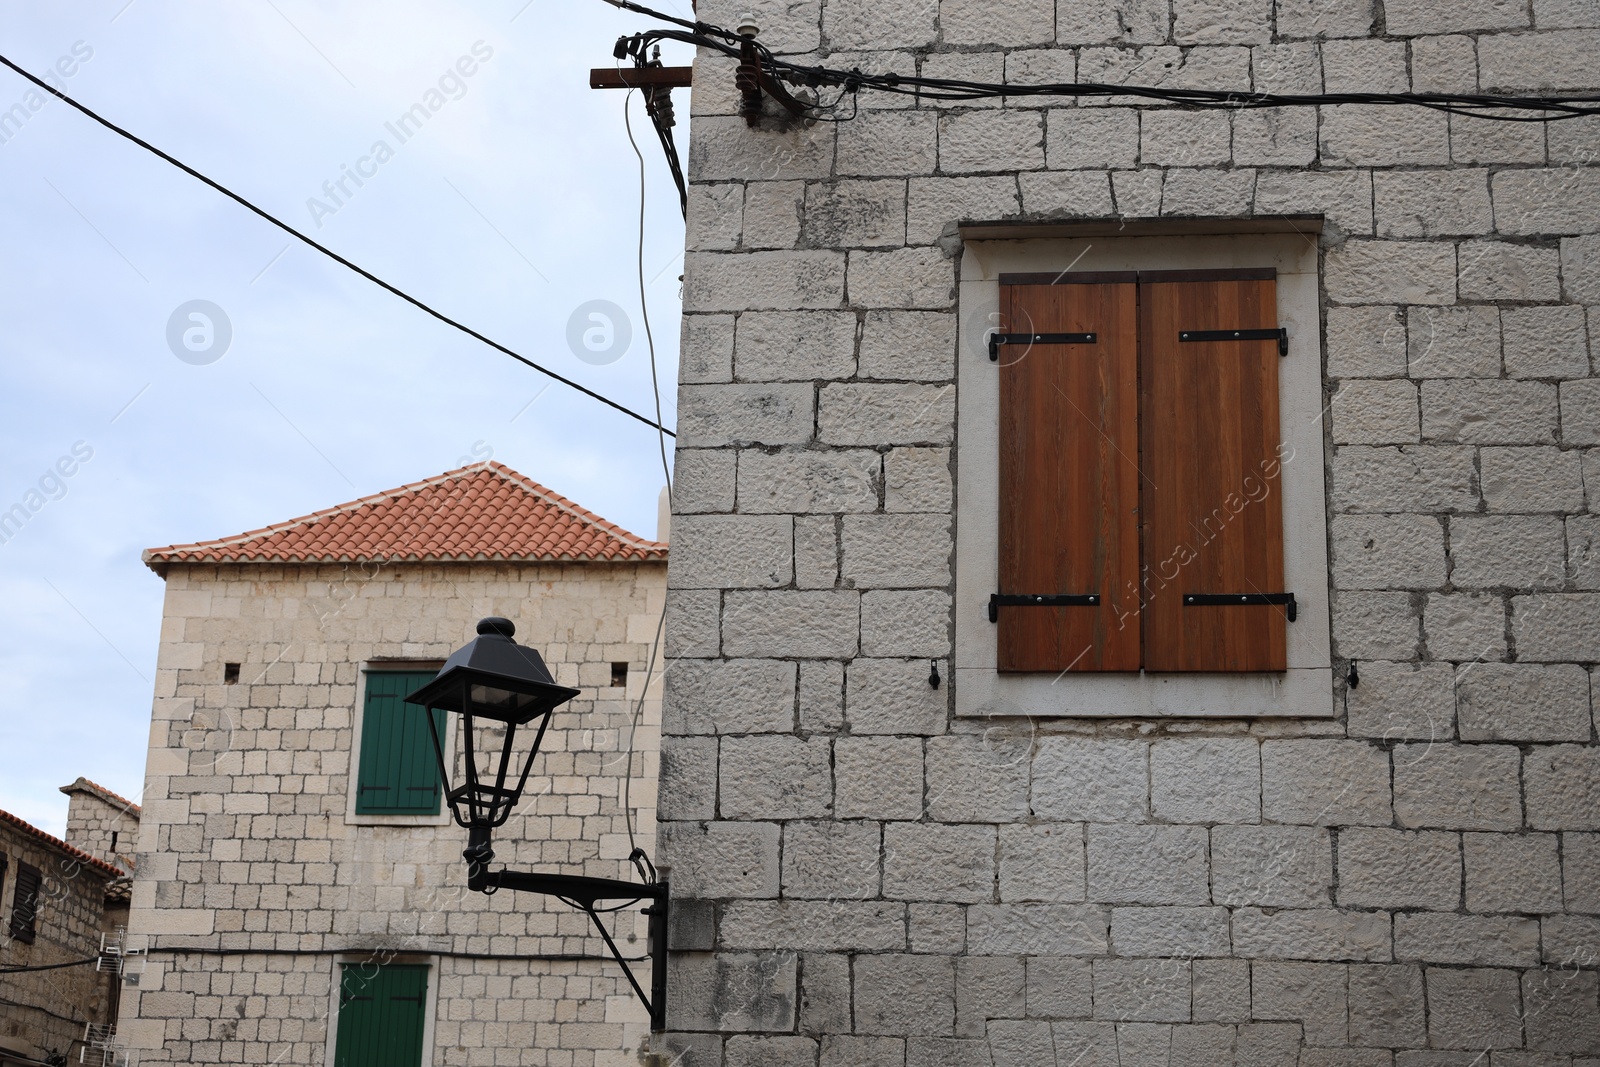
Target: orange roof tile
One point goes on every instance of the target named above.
(483, 512)
(114, 799)
(50, 839)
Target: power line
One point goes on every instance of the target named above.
(330, 253)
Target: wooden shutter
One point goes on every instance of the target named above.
(25, 904)
(381, 1014)
(1213, 512)
(399, 773)
(1069, 479)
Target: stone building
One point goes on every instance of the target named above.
(1152, 821)
(53, 909)
(300, 893)
(102, 823)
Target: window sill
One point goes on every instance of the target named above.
(1300, 692)
(377, 819)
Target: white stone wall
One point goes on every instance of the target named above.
(252, 881)
(883, 883)
(105, 830)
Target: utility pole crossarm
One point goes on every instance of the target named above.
(640, 77)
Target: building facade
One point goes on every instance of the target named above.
(300, 895)
(53, 909)
(992, 737)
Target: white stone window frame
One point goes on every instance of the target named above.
(1305, 690)
(355, 959)
(358, 720)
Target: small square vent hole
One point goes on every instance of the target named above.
(619, 674)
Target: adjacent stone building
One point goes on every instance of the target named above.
(908, 837)
(53, 910)
(300, 890)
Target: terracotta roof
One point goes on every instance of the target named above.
(83, 785)
(99, 865)
(483, 512)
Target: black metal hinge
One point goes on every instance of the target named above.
(1227, 600)
(1040, 600)
(998, 339)
(1280, 335)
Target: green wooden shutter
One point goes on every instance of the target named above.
(381, 1012)
(399, 773)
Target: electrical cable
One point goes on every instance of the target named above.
(703, 35)
(49, 966)
(336, 257)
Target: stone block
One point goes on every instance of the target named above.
(940, 928)
(1375, 412)
(703, 480)
(1148, 865)
(1496, 270)
(905, 622)
(1206, 780)
(1372, 135)
(855, 214)
(836, 860)
(877, 778)
(1384, 272)
(1453, 342)
(722, 859)
(770, 1052)
(936, 205)
(1219, 22)
(807, 481)
(918, 345)
(819, 624)
(772, 213)
(1170, 932)
(1562, 200)
(841, 1050)
(705, 349)
(733, 992)
(816, 552)
(1398, 700)
(1493, 142)
(711, 416)
(899, 995)
(1560, 1011)
(1020, 1042)
(729, 697)
(889, 143)
(1375, 625)
(1493, 551)
(1067, 194)
(1312, 994)
(1365, 342)
(890, 551)
(1201, 1044)
(1465, 626)
(991, 140)
(1524, 702)
(892, 696)
(1580, 268)
(861, 414)
(1036, 930)
(1466, 939)
(977, 779)
(1407, 18)
(908, 278)
(814, 925)
(1457, 787)
(1221, 991)
(1093, 138)
(1545, 342)
(1287, 66)
(918, 479)
(1388, 552)
(1325, 783)
(1431, 203)
(794, 346)
(1137, 193)
(1473, 1009)
(694, 623)
(1556, 627)
(1489, 412)
(1445, 64)
(725, 149)
(1322, 934)
(1091, 779)
(1173, 138)
(988, 987)
(1532, 480)
(1059, 988)
(1120, 21)
(1563, 787)
(747, 281)
(931, 862)
(1275, 137)
(714, 216)
(1373, 66)
(1512, 872)
(1208, 191)
(774, 777)
(688, 783)
(1387, 1005)
(1344, 197)
(1557, 60)
(857, 24)
(1141, 990)
(1580, 859)
(1381, 868)
(1338, 18)
(1042, 862)
(1580, 412)
(1271, 866)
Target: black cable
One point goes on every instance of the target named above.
(49, 966)
(534, 957)
(230, 194)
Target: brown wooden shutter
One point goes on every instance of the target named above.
(1213, 512)
(1069, 478)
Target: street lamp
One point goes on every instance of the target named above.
(497, 687)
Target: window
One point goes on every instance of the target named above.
(398, 771)
(1141, 523)
(619, 675)
(1130, 503)
(25, 904)
(382, 1015)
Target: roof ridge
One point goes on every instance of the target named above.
(105, 794)
(52, 839)
(572, 507)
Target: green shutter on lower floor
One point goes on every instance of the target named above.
(381, 1013)
(398, 771)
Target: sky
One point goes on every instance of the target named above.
(174, 368)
